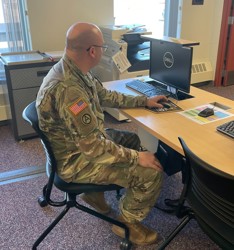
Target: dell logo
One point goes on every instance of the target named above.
(168, 59)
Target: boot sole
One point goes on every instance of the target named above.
(116, 231)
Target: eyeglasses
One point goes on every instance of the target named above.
(104, 47)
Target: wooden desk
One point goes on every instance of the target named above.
(211, 146)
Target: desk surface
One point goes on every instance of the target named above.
(213, 147)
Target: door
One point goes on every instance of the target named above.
(224, 74)
(228, 78)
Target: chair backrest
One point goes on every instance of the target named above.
(31, 116)
(210, 193)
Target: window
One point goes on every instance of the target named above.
(148, 12)
(14, 35)
(161, 17)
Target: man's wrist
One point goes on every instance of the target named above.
(135, 157)
(146, 102)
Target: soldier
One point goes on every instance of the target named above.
(69, 108)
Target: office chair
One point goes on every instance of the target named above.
(210, 195)
(71, 190)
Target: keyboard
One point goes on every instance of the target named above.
(227, 128)
(146, 88)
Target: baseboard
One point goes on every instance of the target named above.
(21, 174)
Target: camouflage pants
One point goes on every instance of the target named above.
(142, 185)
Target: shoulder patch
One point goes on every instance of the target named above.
(78, 106)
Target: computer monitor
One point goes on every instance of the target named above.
(170, 64)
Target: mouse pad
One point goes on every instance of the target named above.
(173, 108)
(192, 114)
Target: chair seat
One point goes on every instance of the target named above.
(78, 188)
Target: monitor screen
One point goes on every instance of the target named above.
(170, 64)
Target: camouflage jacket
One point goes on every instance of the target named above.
(70, 114)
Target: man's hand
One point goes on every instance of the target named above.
(148, 160)
(154, 101)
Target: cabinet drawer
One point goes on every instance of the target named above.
(21, 98)
(28, 77)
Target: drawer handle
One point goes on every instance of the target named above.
(42, 73)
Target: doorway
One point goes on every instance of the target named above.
(224, 74)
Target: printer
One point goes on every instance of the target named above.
(135, 49)
(126, 42)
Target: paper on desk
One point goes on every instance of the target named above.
(193, 114)
(121, 61)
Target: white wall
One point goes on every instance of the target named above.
(202, 23)
(50, 19)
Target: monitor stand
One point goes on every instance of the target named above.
(177, 94)
(183, 96)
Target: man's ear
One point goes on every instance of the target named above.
(92, 52)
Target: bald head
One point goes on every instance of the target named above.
(84, 43)
(82, 35)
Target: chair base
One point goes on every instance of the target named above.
(172, 206)
(71, 202)
(182, 224)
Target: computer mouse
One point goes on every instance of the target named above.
(206, 112)
(165, 104)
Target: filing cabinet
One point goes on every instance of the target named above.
(24, 75)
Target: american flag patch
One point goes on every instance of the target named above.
(78, 106)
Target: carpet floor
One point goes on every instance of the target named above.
(22, 220)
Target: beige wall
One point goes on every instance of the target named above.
(50, 19)
(202, 23)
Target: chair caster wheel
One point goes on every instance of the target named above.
(125, 245)
(42, 202)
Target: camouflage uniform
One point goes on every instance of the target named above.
(70, 114)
